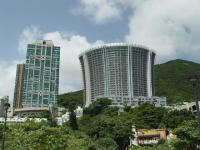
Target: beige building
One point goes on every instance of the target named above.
(145, 137)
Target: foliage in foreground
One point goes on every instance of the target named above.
(103, 127)
(188, 135)
(40, 136)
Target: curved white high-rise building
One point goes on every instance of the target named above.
(119, 71)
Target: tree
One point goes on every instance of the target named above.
(71, 106)
(72, 116)
(42, 137)
(174, 118)
(147, 116)
(123, 130)
(36, 136)
(78, 141)
(104, 144)
(188, 136)
(107, 125)
(73, 121)
(1, 130)
(97, 106)
(111, 111)
(76, 97)
(50, 117)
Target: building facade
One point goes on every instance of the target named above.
(119, 71)
(40, 77)
(3, 100)
(148, 137)
(190, 106)
(17, 103)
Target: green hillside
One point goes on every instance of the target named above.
(171, 80)
(65, 99)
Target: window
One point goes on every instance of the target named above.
(48, 51)
(45, 101)
(30, 73)
(35, 86)
(52, 86)
(37, 62)
(46, 86)
(36, 73)
(38, 52)
(31, 61)
(35, 97)
(47, 64)
(43, 50)
(31, 46)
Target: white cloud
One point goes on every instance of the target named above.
(171, 27)
(103, 11)
(28, 35)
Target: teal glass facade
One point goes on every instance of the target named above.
(41, 80)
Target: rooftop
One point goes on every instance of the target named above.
(44, 42)
(113, 45)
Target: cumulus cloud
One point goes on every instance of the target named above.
(28, 35)
(170, 27)
(103, 11)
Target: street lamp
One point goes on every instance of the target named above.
(193, 79)
(6, 107)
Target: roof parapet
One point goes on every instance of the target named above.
(116, 44)
(44, 42)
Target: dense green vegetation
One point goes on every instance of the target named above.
(41, 136)
(188, 135)
(66, 99)
(105, 128)
(171, 80)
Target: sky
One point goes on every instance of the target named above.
(170, 27)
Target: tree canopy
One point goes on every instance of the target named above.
(103, 126)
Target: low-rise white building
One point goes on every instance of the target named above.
(30, 111)
(190, 106)
(79, 112)
(65, 117)
(136, 100)
(16, 120)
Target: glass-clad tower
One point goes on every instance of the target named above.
(41, 77)
(119, 71)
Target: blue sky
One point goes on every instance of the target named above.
(50, 15)
(170, 27)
